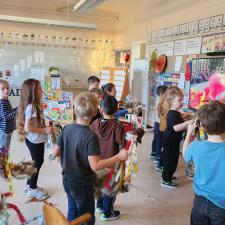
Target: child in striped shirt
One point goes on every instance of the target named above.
(7, 115)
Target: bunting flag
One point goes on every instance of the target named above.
(23, 169)
(118, 176)
(4, 215)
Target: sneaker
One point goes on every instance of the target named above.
(152, 156)
(191, 177)
(27, 186)
(115, 214)
(170, 184)
(99, 210)
(35, 193)
(159, 168)
(190, 174)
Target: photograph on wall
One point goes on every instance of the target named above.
(170, 79)
(213, 43)
(207, 81)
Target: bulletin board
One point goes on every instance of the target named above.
(119, 77)
(58, 106)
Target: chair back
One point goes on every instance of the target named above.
(53, 216)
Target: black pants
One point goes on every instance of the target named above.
(161, 161)
(37, 155)
(204, 212)
(171, 150)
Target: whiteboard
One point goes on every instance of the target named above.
(33, 61)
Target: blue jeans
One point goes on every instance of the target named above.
(157, 142)
(80, 196)
(106, 204)
(205, 212)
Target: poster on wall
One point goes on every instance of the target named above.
(58, 106)
(223, 23)
(213, 43)
(180, 47)
(194, 46)
(170, 79)
(193, 27)
(162, 48)
(168, 48)
(207, 81)
(215, 22)
(204, 25)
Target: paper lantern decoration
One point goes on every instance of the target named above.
(153, 59)
(161, 64)
(126, 57)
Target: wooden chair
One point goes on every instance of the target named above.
(53, 216)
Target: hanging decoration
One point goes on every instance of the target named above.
(126, 58)
(153, 59)
(161, 64)
(50, 40)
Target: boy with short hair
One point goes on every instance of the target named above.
(209, 160)
(172, 136)
(7, 115)
(80, 158)
(112, 138)
(93, 82)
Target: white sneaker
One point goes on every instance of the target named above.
(35, 193)
(27, 186)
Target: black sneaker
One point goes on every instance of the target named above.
(115, 214)
(170, 184)
(159, 168)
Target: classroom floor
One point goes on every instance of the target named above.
(146, 203)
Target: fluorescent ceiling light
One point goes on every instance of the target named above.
(85, 6)
(57, 23)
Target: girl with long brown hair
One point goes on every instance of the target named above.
(31, 128)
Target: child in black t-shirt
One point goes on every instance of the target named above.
(172, 136)
(80, 158)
